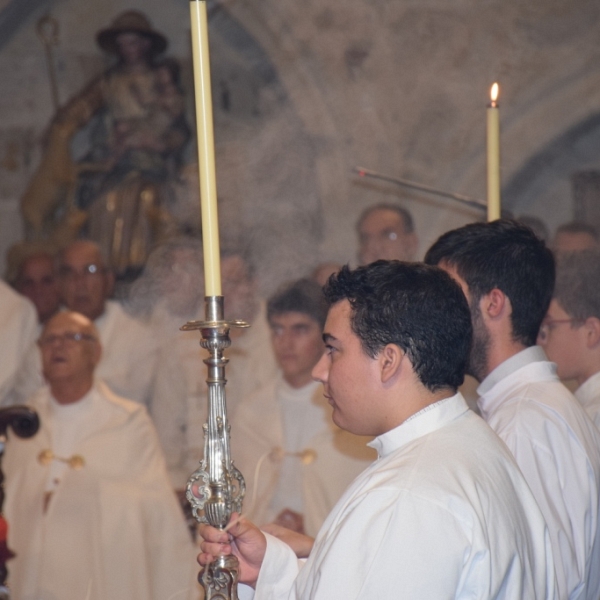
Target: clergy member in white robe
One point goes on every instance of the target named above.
(444, 512)
(132, 357)
(557, 447)
(92, 514)
(292, 455)
(570, 333)
(507, 275)
(295, 461)
(18, 332)
(434, 517)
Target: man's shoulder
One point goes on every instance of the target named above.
(550, 398)
(544, 412)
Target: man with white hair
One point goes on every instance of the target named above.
(91, 508)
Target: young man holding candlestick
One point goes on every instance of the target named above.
(444, 511)
(507, 275)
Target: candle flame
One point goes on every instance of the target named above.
(494, 92)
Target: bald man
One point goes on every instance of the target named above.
(90, 490)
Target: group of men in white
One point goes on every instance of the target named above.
(405, 490)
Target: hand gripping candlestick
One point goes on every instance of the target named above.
(217, 488)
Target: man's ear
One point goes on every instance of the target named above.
(592, 325)
(494, 303)
(390, 362)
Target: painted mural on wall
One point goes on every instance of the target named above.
(118, 193)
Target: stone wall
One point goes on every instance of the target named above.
(304, 91)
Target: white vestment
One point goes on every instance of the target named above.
(557, 448)
(444, 513)
(588, 394)
(18, 332)
(132, 360)
(113, 529)
(332, 457)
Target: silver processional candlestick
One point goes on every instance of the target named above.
(216, 489)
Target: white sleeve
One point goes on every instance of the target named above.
(279, 571)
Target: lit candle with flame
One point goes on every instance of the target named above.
(493, 156)
(206, 148)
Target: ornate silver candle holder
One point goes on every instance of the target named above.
(216, 489)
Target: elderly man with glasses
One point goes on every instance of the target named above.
(131, 357)
(90, 490)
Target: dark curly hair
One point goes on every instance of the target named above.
(419, 308)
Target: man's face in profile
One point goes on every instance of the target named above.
(563, 339)
(478, 358)
(382, 236)
(346, 372)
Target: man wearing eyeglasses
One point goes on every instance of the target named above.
(570, 332)
(91, 490)
(131, 358)
(130, 355)
(507, 275)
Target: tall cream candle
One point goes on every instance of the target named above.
(493, 156)
(206, 148)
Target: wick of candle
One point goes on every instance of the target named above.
(494, 92)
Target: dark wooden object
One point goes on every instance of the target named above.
(25, 423)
